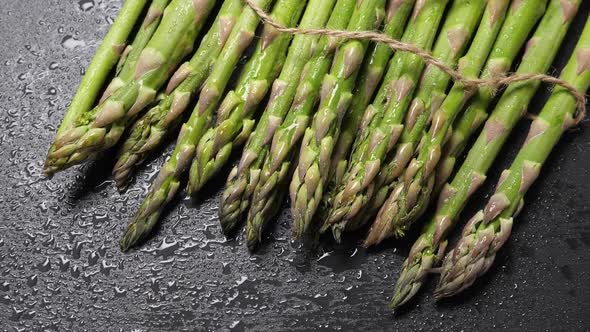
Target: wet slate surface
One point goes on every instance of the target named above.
(61, 269)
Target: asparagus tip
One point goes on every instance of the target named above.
(379, 231)
(252, 244)
(253, 232)
(48, 169)
(228, 225)
(49, 173)
(128, 239)
(337, 230)
(121, 186)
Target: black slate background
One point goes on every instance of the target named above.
(61, 269)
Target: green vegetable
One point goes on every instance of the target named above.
(369, 78)
(313, 169)
(375, 142)
(104, 60)
(242, 180)
(166, 185)
(150, 130)
(490, 228)
(316, 16)
(540, 53)
(101, 128)
(129, 57)
(234, 118)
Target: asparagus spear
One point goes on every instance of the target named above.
(410, 195)
(234, 118)
(318, 142)
(357, 184)
(430, 97)
(540, 53)
(99, 129)
(270, 187)
(506, 46)
(105, 58)
(129, 57)
(166, 185)
(284, 89)
(400, 206)
(149, 131)
(463, 128)
(370, 75)
(459, 26)
(243, 179)
(490, 228)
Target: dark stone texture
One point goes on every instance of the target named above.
(61, 268)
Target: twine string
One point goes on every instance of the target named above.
(397, 45)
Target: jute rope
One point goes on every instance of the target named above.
(469, 83)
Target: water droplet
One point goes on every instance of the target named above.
(32, 280)
(120, 292)
(45, 265)
(242, 280)
(155, 284)
(86, 5)
(64, 263)
(106, 268)
(70, 42)
(92, 258)
(75, 271)
(235, 324)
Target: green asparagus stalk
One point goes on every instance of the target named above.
(370, 75)
(541, 51)
(166, 185)
(459, 27)
(357, 184)
(410, 195)
(243, 179)
(150, 130)
(99, 129)
(402, 207)
(311, 174)
(129, 57)
(104, 60)
(489, 42)
(234, 118)
(433, 95)
(284, 89)
(464, 127)
(490, 228)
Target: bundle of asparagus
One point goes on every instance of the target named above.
(105, 59)
(394, 214)
(90, 132)
(539, 55)
(273, 175)
(310, 176)
(167, 182)
(234, 123)
(243, 179)
(149, 131)
(489, 229)
(273, 120)
(358, 129)
(358, 186)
